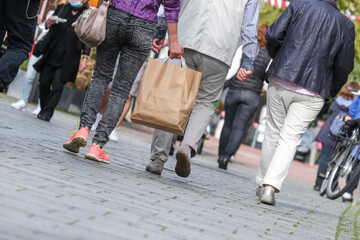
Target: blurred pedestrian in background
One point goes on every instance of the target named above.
(18, 19)
(341, 104)
(241, 102)
(31, 72)
(61, 50)
(312, 46)
(354, 114)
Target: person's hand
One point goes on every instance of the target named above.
(176, 50)
(82, 65)
(255, 125)
(39, 20)
(158, 44)
(243, 74)
(50, 22)
(262, 92)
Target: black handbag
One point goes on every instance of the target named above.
(39, 47)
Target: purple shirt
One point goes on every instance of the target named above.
(148, 9)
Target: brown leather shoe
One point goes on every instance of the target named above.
(155, 166)
(183, 167)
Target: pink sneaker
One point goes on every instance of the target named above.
(97, 153)
(79, 139)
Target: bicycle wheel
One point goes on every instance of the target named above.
(336, 156)
(344, 172)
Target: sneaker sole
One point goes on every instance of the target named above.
(20, 109)
(182, 167)
(75, 144)
(92, 157)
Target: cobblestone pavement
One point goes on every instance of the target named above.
(48, 193)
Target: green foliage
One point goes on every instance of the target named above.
(24, 65)
(352, 6)
(269, 14)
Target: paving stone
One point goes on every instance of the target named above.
(48, 193)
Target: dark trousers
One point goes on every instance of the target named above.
(323, 162)
(20, 31)
(355, 183)
(51, 86)
(240, 105)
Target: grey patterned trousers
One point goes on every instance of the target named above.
(132, 36)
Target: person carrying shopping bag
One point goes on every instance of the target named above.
(130, 29)
(210, 42)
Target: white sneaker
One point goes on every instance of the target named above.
(37, 110)
(347, 196)
(113, 136)
(19, 105)
(98, 118)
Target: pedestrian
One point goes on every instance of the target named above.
(354, 114)
(30, 71)
(61, 49)
(210, 42)
(341, 104)
(18, 19)
(312, 46)
(161, 33)
(130, 28)
(241, 102)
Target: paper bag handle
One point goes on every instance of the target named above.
(181, 65)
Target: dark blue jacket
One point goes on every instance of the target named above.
(312, 44)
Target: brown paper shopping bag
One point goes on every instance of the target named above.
(167, 94)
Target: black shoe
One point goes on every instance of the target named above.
(44, 116)
(317, 187)
(171, 152)
(223, 162)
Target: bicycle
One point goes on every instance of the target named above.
(344, 167)
(345, 173)
(345, 139)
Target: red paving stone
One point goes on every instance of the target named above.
(250, 157)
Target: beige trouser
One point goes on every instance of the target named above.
(212, 82)
(287, 117)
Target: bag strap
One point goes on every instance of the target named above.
(100, 2)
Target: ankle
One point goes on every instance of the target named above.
(269, 186)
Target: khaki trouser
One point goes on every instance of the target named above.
(287, 118)
(213, 76)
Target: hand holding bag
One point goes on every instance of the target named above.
(91, 25)
(166, 96)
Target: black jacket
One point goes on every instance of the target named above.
(312, 45)
(255, 82)
(61, 47)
